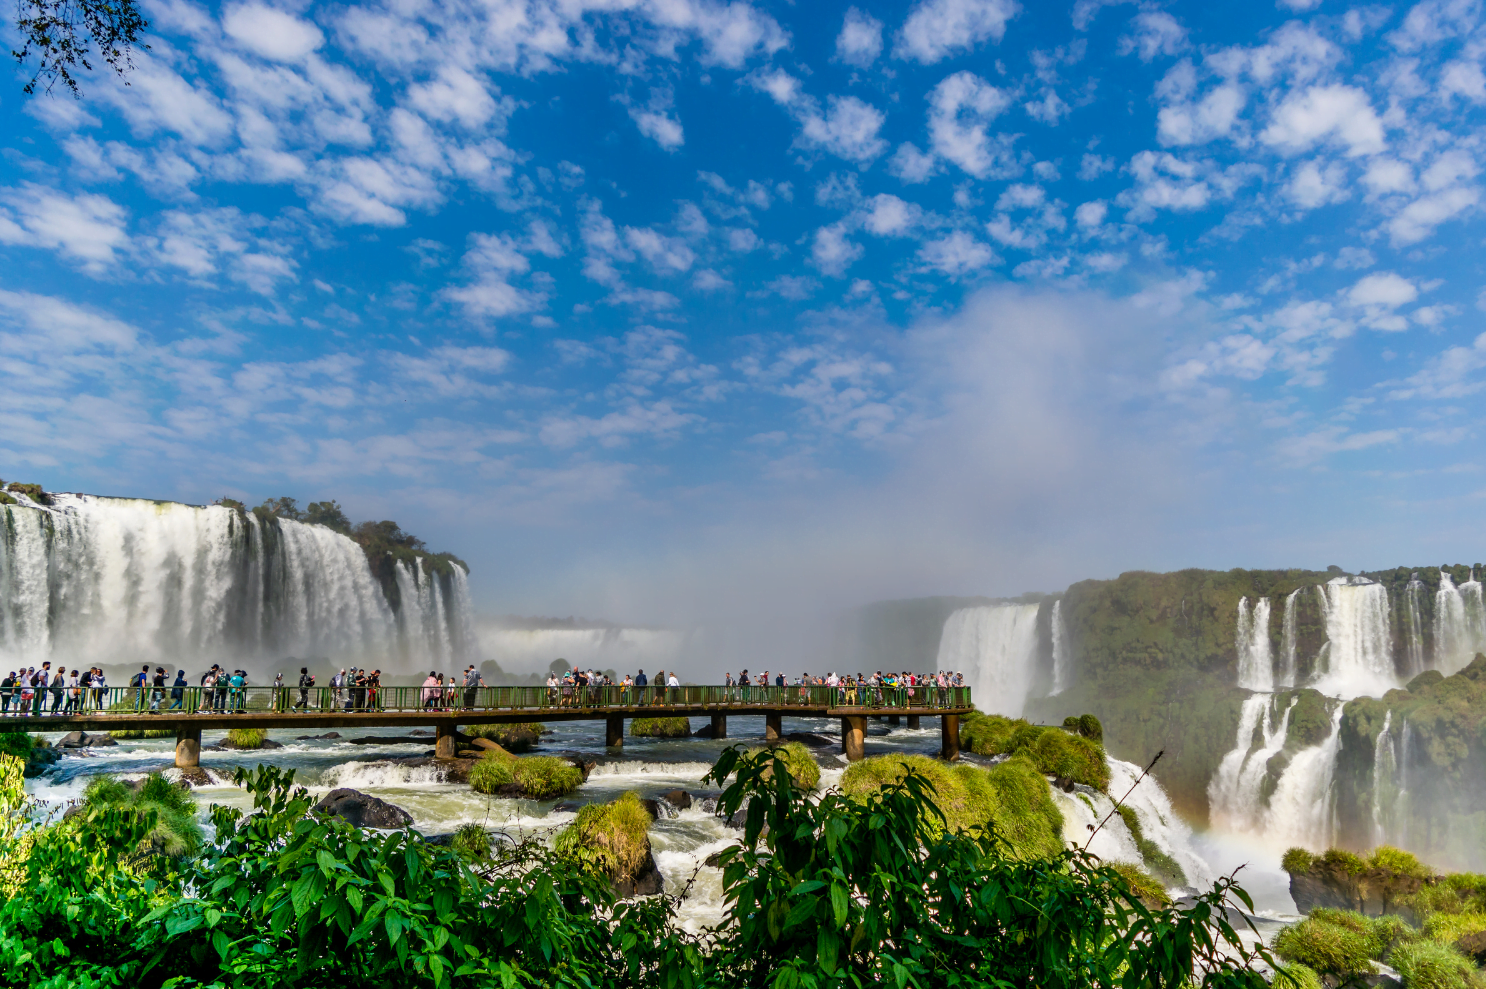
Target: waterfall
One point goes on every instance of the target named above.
(995, 646)
(1413, 643)
(1384, 784)
(1287, 641)
(1235, 791)
(1459, 624)
(1359, 657)
(1062, 675)
(115, 580)
(1401, 808)
(1255, 661)
(1302, 809)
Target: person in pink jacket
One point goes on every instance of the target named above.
(432, 692)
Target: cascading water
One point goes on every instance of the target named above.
(1255, 658)
(113, 580)
(1359, 655)
(1459, 624)
(1385, 789)
(1288, 643)
(1302, 809)
(1413, 630)
(995, 646)
(1062, 675)
(1235, 791)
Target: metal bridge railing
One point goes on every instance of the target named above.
(264, 700)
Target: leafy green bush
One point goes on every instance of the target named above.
(1330, 948)
(1086, 725)
(1297, 861)
(16, 743)
(1429, 965)
(612, 838)
(803, 768)
(540, 777)
(247, 738)
(512, 738)
(471, 843)
(660, 727)
(175, 831)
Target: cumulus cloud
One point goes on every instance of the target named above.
(957, 255)
(936, 29)
(1154, 33)
(860, 40)
(87, 229)
(270, 32)
(1334, 114)
(961, 107)
(847, 126)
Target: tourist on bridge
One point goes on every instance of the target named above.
(306, 681)
(238, 683)
(431, 691)
(208, 689)
(178, 691)
(673, 687)
(641, 682)
(337, 684)
(100, 687)
(59, 686)
(471, 686)
(7, 689)
(157, 689)
(28, 692)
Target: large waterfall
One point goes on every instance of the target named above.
(113, 580)
(1062, 672)
(1459, 624)
(996, 647)
(1255, 658)
(1359, 659)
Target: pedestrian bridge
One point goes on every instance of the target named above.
(196, 709)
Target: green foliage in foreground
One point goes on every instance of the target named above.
(837, 892)
(247, 738)
(1054, 751)
(472, 843)
(804, 771)
(611, 838)
(660, 727)
(540, 777)
(175, 831)
(15, 743)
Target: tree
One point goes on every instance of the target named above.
(63, 33)
(282, 507)
(328, 514)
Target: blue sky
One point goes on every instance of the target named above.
(644, 307)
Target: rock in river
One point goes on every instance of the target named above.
(363, 810)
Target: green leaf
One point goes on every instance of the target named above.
(840, 901)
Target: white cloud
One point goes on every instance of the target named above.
(1153, 33)
(271, 33)
(833, 252)
(1386, 175)
(1197, 123)
(1090, 215)
(1338, 114)
(960, 109)
(936, 29)
(659, 127)
(1164, 181)
(667, 255)
(957, 255)
(454, 95)
(912, 165)
(1382, 289)
(1093, 166)
(84, 228)
(848, 129)
(1316, 184)
(1463, 78)
(1418, 219)
(860, 40)
(1021, 196)
(889, 216)
(743, 240)
(1451, 375)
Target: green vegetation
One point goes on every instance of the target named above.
(1011, 797)
(247, 738)
(1301, 977)
(1145, 886)
(1391, 877)
(803, 769)
(1054, 751)
(822, 891)
(1086, 725)
(660, 727)
(512, 738)
(1163, 866)
(1428, 965)
(32, 491)
(611, 838)
(15, 743)
(1447, 928)
(472, 844)
(1336, 949)
(135, 733)
(540, 777)
(174, 832)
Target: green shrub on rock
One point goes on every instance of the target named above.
(540, 777)
(176, 830)
(660, 727)
(246, 738)
(612, 838)
(1330, 948)
(471, 843)
(512, 738)
(1146, 888)
(1447, 928)
(1429, 965)
(135, 733)
(1054, 751)
(1298, 976)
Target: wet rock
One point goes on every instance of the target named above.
(704, 732)
(707, 805)
(445, 838)
(679, 799)
(646, 882)
(318, 738)
(567, 807)
(713, 861)
(486, 745)
(83, 740)
(195, 776)
(1063, 783)
(450, 770)
(1379, 980)
(363, 810)
(388, 740)
(229, 745)
(1473, 945)
(811, 739)
(420, 731)
(652, 807)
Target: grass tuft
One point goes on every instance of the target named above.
(512, 738)
(660, 728)
(247, 738)
(803, 768)
(471, 843)
(611, 838)
(1430, 965)
(134, 733)
(540, 777)
(176, 831)
(1054, 751)
(1328, 947)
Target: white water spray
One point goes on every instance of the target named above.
(1302, 809)
(1062, 674)
(996, 648)
(1255, 658)
(1384, 783)
(1413, 630)
(1359, 657)
(1459, 624)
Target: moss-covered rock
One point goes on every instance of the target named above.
(126, 734)
(535, 777)
(1013, 797)
(1143, 886)
(1165, 868)
(247, 738)
(660, 727)
(1054, 751)
(512, 738)
(613, 839)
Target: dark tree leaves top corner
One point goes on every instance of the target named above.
(65, 34)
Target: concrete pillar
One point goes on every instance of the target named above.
(187, 747)
(853, 738)
(893, 719)
(614, 731)
(446, 746)
(719, 726)
(913, 721)
(949, 737)
(773, 726)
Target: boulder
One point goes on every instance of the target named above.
(488, 744)
(1474, 946)
(679, 799)
(652, 807)
(229, 744)
(317, 738)
(647, 880)
(83, 740)
(811, 739)
(704, 732)
(567, 807)
(363, 810)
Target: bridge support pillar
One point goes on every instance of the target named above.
(893, 719)
(949, 737)
(853, 738)
(187, 748)
(614, 731)
(773, 726)
(446, 745)
(719, 726)
(913, 721)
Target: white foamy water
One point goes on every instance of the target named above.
(1062, 661)
(1459, 624)
(1359, 654)
(122, 580)
(1255, 658)
(995, 646)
